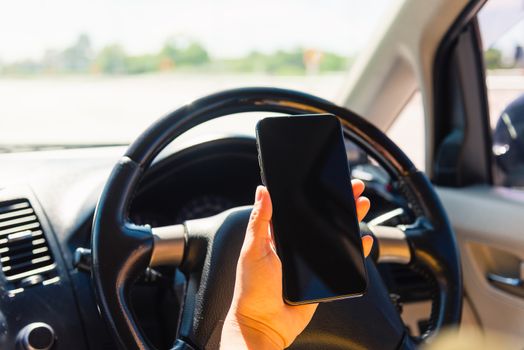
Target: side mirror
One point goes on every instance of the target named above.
(508, 143)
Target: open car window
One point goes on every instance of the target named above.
(501, 25)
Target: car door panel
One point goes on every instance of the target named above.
(488, 222)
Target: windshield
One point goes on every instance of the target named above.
(98, 72)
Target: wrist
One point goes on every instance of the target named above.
(245, 333)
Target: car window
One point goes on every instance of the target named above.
(501, 25)
(408, 131)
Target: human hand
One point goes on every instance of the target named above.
(258, 317)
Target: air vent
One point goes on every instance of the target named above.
(25, 257)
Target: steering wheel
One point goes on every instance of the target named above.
(206, 250)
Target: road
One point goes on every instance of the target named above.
(105, 109)
(116, 109)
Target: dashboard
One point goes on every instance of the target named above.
(207, 179)
(61, 188)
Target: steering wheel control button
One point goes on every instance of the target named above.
(36, 336)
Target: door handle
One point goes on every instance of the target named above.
(510, 285)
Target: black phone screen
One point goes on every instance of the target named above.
(304, 166)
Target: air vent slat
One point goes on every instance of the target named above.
(17, 221)
(16, 213)
(22, 257)
(19, 228)
(15, 206)
(13, 245)
(31, 273)
(24, 250)
(24, 254)
(25, 264)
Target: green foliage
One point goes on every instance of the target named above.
(142, 64)
(280, 62)
(332, 62)
(193, 54)
(493, 59)
(111, 60)
(253, 62)
(285, 62)
(81, 58)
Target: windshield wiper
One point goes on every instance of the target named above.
(13, 148)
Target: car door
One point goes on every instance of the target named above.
(479, 190)
(424, 83)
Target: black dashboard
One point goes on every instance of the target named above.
(61, 189)
(207, 179)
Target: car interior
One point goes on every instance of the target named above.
(133, 244)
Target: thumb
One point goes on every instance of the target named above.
(257, 234)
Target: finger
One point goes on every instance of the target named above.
(260, 216)
(358, 187)
(367, 244)
(362, 204)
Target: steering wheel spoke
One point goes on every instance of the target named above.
(392, 244)
(169, 245)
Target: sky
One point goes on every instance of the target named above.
(227, 28)
(502, 24)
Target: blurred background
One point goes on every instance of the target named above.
(99, 72)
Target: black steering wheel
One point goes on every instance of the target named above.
(206, 250)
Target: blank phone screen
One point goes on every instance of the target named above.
(315, 226)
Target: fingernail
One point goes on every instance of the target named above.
(258, 195)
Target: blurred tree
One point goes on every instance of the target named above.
(179, 52)
(23, 67)
(332, 62)
(79, 57)
(142, 64)
(170, 51)
(193, 54)
(283, 62)
(286, 62)
(493, 58)
(111, 60)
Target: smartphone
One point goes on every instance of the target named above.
(315, 226)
